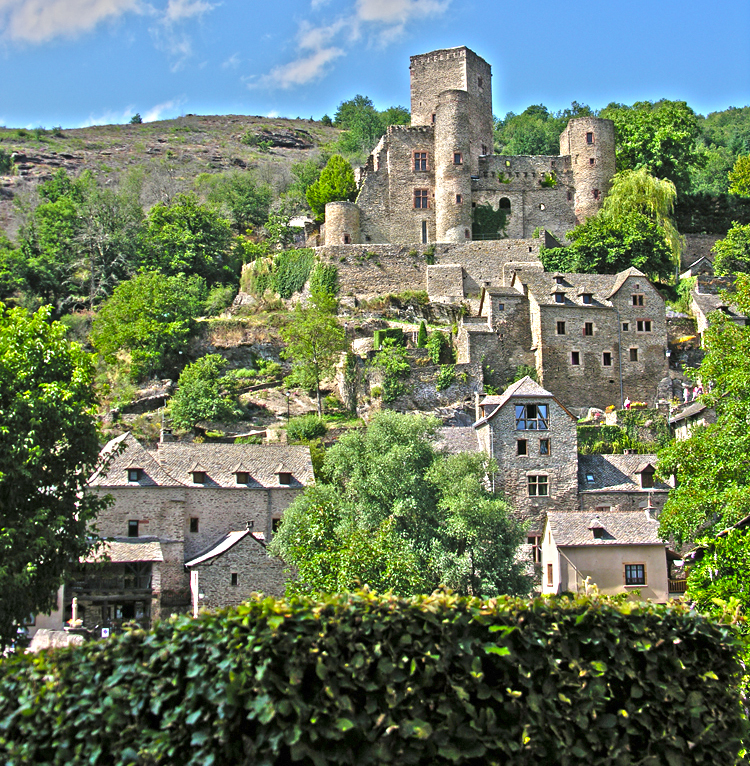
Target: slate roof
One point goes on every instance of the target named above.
(708, 302)
(574, 528)
(171, 464)
(221, 546)
(694, 408)
(128, 550)
(615, 473)
(525, 387)
(601, 287)
(457, 439)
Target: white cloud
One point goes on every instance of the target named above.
(156, 112)
(37, 21)
(383, 21)
(185, 9)
(232, 62)
(110, 117)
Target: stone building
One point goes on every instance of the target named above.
(437, 180)
(178, 504)
(594, 339)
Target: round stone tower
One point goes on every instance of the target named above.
(453, 167)
(342, 224)
(590, 143)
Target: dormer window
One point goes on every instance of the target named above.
(588, 298)
(559, 297)
(242, 477)
(647, 477)
(559, 280)
(285, 477)
(199, 477)
(134, 474)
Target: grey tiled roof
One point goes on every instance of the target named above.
(615, 473)
(457, 439)
(708, 302)
(694, 408)
(127, 550)
(620, 528)
(221, 546)
(602, 287)
(171, 464)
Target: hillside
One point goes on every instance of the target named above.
(169, 154)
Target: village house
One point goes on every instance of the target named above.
(183, 513)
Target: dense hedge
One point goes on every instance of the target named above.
(396, 334)
(365, 679)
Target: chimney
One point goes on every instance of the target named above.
(167, 436)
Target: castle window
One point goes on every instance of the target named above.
(575, 358)
(570, 195)
(544, 446)
(635, 574)
(559, 280)
(587, 298)
(424, 232)
(589, 138)
(550, 579)
(588, 328)
(633, 354)
(541, 205)
(625, 326)
(459, 199)
(420, 160)
(421, 198)
(532, 417)
(561, 328)
(235, 579)
(458, 158)
(535, 541)
(479, 81)
(592, 161)
(522, 447)
(606, 359)
(484, 151)
(643, 325)
(553, 163)
(504, 204)
(501, 307)
(193, 524)
(559, 297)
(433, 118)
(538, 485)
(638, 299)
(133, 528)
(347, 239)
(595, 193)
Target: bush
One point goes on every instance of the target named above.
(219, 299)
(391, 361)
(6, 162)
(422, 335)
(445, 377)
(305, 428)
(395, 334)
(439, 346)
(325, 278)
(375, 679)
(285, 274)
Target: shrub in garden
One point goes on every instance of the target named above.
(305, 428)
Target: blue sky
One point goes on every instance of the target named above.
(81, 62)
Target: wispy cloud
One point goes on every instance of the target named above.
(185, 9)
(160, 110)
(169, 34)
(109, 117)
(381, 21)
(232, 62)
(37, 21)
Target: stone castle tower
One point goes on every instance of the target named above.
(423, 183)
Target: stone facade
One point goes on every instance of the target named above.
(423, 183)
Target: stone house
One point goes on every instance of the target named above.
(437, 180)
(592, 338)
(690, 417)
(616, 551)
(714, 294)
(177, 504)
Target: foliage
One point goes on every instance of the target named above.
(732, 254)
(364, 125)
(6, 162)
(48, 448)
(440, 348)
(394, 334)
(602, 440)
(396, 515)
(314, 343)
(136, 119)
(392, 363)
(524, 370)
(709, 213)
(725, 136)
(292, 268)
(607, 244)
(712, 491)
(376, 679)
(247, 200)
(536, 130)
(660, 137)
(278, 231)
(635, 191)
(219, 299)
(150, 317)
(325, 278)
(305, 428)
(488, 223)
(189, 238)
(336, 182)
(684, 288)
(446, 376)
(739, 177)
(199, 394)
(422, 335)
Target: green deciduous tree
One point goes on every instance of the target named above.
(713, 489)
(148, 321)
(536, 130)
(739, 177)
(659, 136)
(190, 238)
(48, 449)
(245, 199)
(396, 515)
(733, 252)
(336, 183)
(200, 395)
(364, 124)
(314, 341)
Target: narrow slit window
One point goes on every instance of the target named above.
(588, 328)
(575, 358)
(458, 158)
(522, 447)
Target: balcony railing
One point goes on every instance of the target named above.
(126, 583)
(677, 586)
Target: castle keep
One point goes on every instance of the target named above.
(437, 180)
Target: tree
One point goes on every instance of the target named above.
(150, 319)
(395, 515)
(314, 342)
(536, 130)
(199, 394)
(739, 177)
(661, 137)
(247, 200)
(336, 182)
(713, 489)
(733, 252)
(190, 238)
(608, 244)
(48, 448)
(136, 119)
(422, 335)
(364, 124)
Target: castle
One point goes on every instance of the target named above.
(437, 180)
